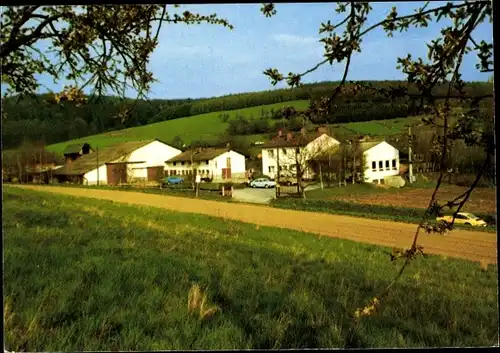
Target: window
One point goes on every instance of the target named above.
(271, 169)
(387, 165)
(182, 172)
(393, 164)
(284, 151)
(182, 163)
(374, 166)
(380, 165)
(270, 153)
(175, 163)
(206, 162)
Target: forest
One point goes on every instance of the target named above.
(40, 119)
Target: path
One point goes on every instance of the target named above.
(471, 245)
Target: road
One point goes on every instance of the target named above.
(263, 196)
(471, 245)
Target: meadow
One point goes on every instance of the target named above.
(209, 127)
(83, 274)
(205, 127)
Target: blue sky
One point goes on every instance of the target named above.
(209, 60)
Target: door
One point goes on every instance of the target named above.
(116, 173)
(155, 173)
(226, 172)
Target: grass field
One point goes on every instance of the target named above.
(82, 274)
(206, 127)
(377, 127)
(209, 127)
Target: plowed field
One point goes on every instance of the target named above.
(481, 199)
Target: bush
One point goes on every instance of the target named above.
(210, 186)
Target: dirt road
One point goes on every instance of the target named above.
(471, 245)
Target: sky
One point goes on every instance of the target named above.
(210, 60)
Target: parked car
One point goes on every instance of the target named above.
(173, 179)
(262, 183)
(464, 218)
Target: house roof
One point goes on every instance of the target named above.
(297, 140)
(108, 154)
(202, 155)
(74, 148)
(367, 145)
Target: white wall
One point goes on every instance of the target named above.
(270, 160)
(381, 152)
(238, 165)
(153, 154)
(323, 142)
(214, 167)
(90, 178)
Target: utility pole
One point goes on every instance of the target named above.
(320, 176)
(278, 171)
(97, 162)
(410, 165)
(353, 150)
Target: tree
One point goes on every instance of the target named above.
(107, 47)
(299, 163)
(177, 142)
(445, 58)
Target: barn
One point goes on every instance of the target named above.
(122, 163)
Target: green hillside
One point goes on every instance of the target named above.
(39, 120)
(206, 127)
(210, 127)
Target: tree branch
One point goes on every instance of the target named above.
(16, 43)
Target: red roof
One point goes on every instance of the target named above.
(295, 140)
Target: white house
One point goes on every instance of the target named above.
(288, 149)
(381, 160)
(121, 163)
(213, 163)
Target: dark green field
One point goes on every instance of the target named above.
(83, 274)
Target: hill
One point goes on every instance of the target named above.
(204, 127)
(211, 129)
(39, 119)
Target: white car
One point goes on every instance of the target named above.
(262, 183)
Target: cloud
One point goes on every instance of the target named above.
(290, 39)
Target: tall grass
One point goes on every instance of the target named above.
(83, 274)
